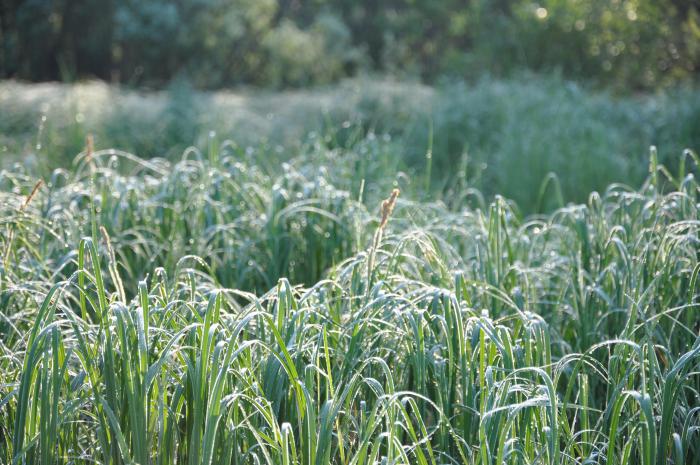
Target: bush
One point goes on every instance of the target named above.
(298, 57)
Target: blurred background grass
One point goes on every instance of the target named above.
(490, 94)
(501, 136)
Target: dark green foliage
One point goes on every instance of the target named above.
(631, 44)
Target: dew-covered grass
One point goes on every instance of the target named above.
(219, 309)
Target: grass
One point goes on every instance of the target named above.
(222, 308)
(502, 137)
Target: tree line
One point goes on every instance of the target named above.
(631, 44)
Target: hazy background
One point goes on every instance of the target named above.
(629, 44)
(510, 92)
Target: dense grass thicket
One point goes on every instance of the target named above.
(502, 137)
(222, 308)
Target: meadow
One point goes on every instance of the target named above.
(503, 137)
(377, 273)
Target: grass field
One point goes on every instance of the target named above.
(278, 301)
(503, 137)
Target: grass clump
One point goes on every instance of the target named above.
(216, 310)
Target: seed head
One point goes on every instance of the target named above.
(37, 186)
(89, 147)
(388, 207)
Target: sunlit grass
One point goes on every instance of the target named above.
(218, 310)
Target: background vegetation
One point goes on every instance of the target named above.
(503, 137)
(630, 44)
